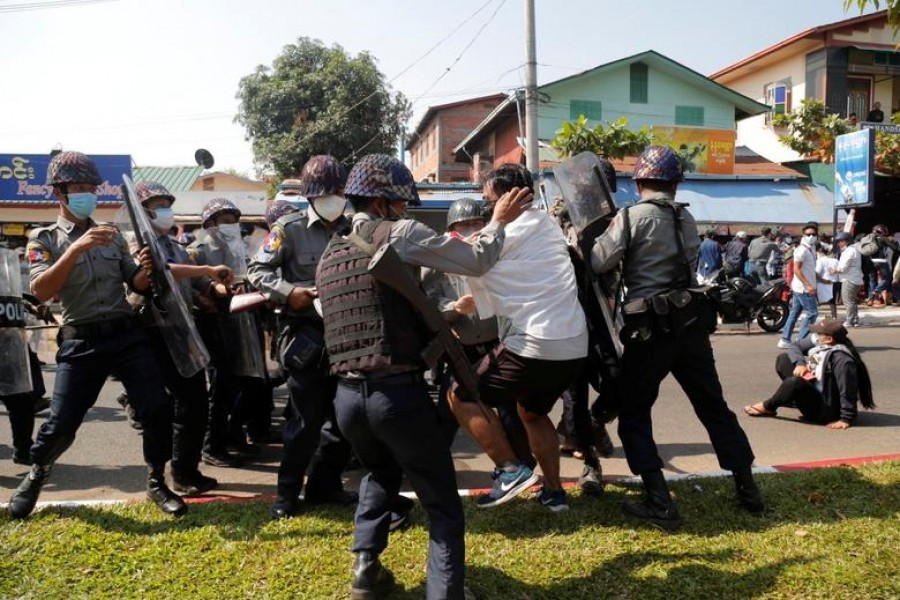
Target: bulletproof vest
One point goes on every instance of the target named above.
(368, 326)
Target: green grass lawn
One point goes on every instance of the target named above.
(831, 533)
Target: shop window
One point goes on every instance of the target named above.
(689, 115)
(639, 83)
(591, 109)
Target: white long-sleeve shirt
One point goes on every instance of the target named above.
(850, 265)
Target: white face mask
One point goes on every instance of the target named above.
(165, 219)
(229, 231)
(329, 207)
(810, 240)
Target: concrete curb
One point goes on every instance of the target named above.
(785, 468)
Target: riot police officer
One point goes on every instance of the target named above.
(663, 335)
(284, 269)
(189, 394)
(87, 265)
(374, 341)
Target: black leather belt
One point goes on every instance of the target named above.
(97, 329)
(382, 383)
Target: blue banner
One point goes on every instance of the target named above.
(23, 177)
(854, 169)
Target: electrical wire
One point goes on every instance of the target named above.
(31, 6)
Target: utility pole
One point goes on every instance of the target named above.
(531, 109)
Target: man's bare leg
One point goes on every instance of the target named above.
(544, 445)
(485, 428)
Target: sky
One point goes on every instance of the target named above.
(157, 79)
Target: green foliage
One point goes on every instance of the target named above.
(613, 141)
(829, 533)
(318, 100)
(893, 8)
(811, 130)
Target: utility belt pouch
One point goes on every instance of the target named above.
(301, 348)
(691, 310)
(663, 314)
(638, 321)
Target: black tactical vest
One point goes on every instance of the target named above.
(368, 326)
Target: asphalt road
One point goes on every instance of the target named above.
(105, 461)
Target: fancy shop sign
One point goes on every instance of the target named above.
(23, 177)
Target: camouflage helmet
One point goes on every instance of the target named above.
(290, 187)
(658, 162)
(278, 209)
(216, 207)
(150, 189)
(72, 167)
(322, 175)
(462, 210)
(381, 176)
(880, 229)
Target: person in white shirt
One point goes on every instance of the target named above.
(827, 282)
(803, 286)
(544, 339)
(850, 269)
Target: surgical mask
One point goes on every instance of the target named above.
(82, 204)
(814, 337)
(165, 219)
(229, 231)
(810, 240)
(329, 207)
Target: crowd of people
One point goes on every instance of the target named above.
(350, 340)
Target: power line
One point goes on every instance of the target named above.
(31, 6)
(464, 50)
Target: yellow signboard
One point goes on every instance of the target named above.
(702, 150)
(13, 229)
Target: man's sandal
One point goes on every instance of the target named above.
(753, 410)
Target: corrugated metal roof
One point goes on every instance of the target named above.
(176, 179)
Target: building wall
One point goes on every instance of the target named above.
(754, 132)
(432, 153)
(214, 182)
(613, 89)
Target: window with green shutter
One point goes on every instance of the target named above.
(639, 83)
(689, 115)
(592, 109)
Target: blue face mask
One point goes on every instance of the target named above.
(82, 204)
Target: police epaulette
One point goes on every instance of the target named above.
(291, 217)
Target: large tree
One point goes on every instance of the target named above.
(316, 99)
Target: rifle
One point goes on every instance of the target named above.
(387, 268)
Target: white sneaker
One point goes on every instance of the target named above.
(784, 345)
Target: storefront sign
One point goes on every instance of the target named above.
(10, 229)
(854, 166)
(701, 150)
(23, 177)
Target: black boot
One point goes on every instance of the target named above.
(748, 493)
(657, 507)
(192, 483)
(370, 578)
(168, 501)
(26, 495)
(284, 506)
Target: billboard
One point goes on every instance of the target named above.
(23, 177)
(854, 168)
(702, 150)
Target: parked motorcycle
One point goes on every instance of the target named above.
(742, 301)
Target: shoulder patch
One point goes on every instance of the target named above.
(273, 241)
(37, 253)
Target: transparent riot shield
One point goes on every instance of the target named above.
(589, 205)
(170, 311)
(15, 369)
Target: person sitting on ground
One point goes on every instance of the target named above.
(824, 377)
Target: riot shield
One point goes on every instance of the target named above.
(170, 311)
(590, 208)
(15, 368)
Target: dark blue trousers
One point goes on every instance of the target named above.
(312, 441)
(82, 368)
(391, 425)
(690, 359)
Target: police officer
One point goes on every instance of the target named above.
(189, 394)
(374, 340)
(87, 265)
(284, 269)
(640, 237)
(222, 336)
